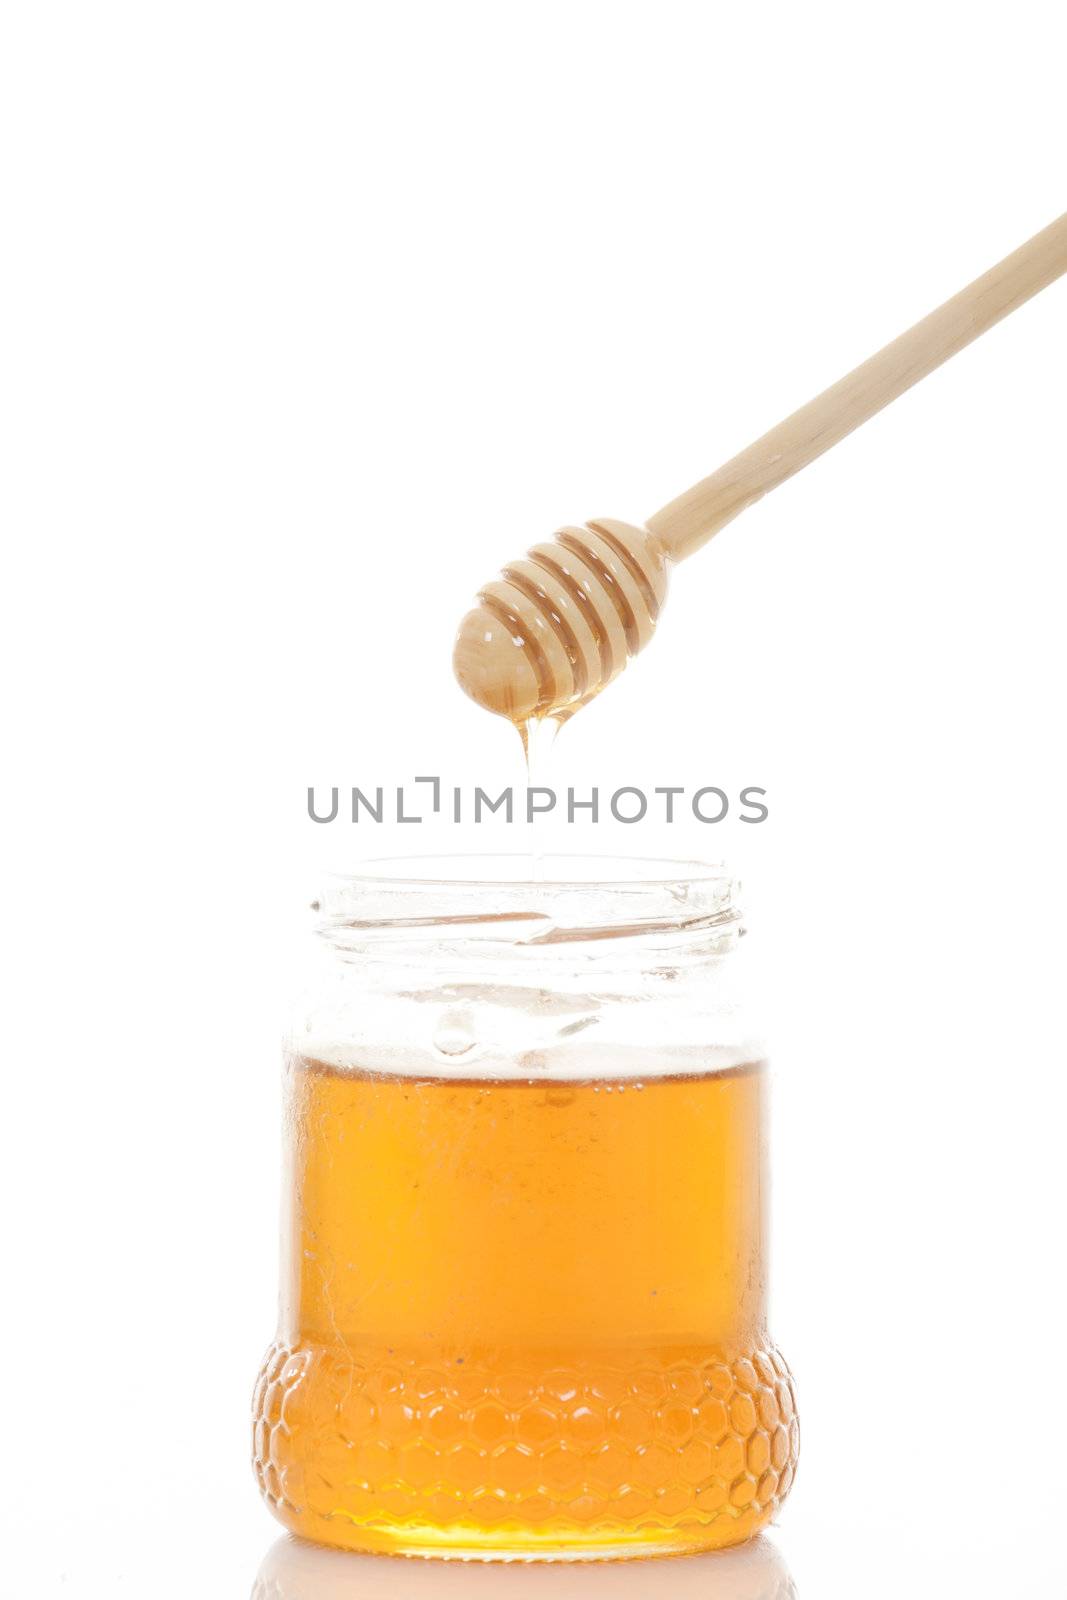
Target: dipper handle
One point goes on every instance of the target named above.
(690, 521)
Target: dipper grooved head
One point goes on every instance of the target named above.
(558, 625)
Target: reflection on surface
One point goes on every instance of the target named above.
(296, 1571)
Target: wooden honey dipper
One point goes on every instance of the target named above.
(559, 625)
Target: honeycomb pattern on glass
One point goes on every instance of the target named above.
(357, 1450)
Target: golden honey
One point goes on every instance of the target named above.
(525, 1316)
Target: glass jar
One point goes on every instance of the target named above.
(523, 1305)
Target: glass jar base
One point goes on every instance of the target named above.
(643, 1453)
(514, 1546)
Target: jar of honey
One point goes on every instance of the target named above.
(524, 1298)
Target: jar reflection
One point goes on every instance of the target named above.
(293, 1570)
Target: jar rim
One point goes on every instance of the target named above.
(497, 897)
(615, 872)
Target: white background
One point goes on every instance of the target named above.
(314, 315)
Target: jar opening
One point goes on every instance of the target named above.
(523, 900)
